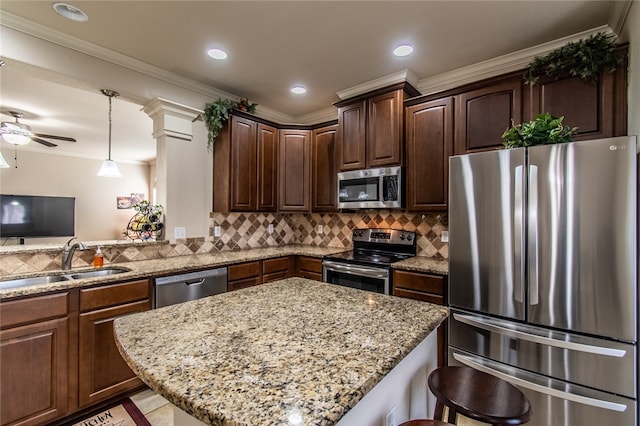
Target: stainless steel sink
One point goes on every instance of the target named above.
(24, 282)
(57, 277)
(98, 273)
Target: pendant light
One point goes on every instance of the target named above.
(16, 133)
(109, 167)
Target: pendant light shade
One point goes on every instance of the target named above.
(3, 162)
(109, 167)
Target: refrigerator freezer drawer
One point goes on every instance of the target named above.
(554, 402)
(588, 361)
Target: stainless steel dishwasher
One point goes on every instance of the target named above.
(190, 286)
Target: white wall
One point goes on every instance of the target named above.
(631, 32)
(97, 215)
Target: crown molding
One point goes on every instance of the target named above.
(619, 15)
(402, 76)
(502, 64)
(326, 114)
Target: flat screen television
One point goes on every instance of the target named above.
(29, 216)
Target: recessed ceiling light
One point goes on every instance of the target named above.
(217, 54)
(70, 12)
(403, 50)
(298, 90)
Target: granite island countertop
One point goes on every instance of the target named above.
(259, 355)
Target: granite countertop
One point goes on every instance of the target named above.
(423, 264)
(165, 266)
(257, 356)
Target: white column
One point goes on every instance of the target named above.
(184, 168)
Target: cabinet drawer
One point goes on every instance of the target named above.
(310, 275)
(114, 294)
(239, 284)
(24, 311)
(275, 276)
(310, 264)
(419, 282)
(418, 295)
(275, 265)
(244, 270)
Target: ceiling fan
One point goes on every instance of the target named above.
(21, 134)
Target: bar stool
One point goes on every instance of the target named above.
(477, 395)
(424, 422)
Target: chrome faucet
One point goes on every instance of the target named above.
(68, 250)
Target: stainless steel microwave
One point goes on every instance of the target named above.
(370, 189)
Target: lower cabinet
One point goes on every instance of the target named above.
(244, 275)
(309, 267)
(276, 269)
(102, 371)
(34, 354)
(428, 288)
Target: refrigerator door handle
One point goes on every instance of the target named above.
(518, 230)
(533, 235)
(494, 327)
(485, 366)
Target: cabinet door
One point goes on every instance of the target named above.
(295, 170)
(34, 372)
(243, 164)
(484, 114)
(352, 136)
(324, 171)
(267, 174)
(309, 267)
(103, 372)
(384, 130)
(429, 139)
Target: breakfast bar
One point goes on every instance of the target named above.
(294, 351)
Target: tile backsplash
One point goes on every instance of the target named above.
(240, 231)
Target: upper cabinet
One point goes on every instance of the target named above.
(484, 113)
(295, 170)
(324, 172)
(245, 172)
(429, 143)
(370, 128)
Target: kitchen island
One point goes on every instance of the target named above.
(294, 351)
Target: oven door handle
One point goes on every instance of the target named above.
(355, 270)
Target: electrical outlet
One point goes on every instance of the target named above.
(444, 237)
(270, 228)
(391, 417)
(320, 229)
(217, 231)
(179, 232)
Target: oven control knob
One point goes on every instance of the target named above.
(408, 237)
(402, 236)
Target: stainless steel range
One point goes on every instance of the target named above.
(368, 265)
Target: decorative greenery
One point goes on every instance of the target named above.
(586, 59)
(217, 112)
(545, 129)
(147, 223)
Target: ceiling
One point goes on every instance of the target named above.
(328, 46)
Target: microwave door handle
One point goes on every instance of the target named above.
(485, 367)
(353, 270)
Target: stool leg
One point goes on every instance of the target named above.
(438, 411)
(451, 418)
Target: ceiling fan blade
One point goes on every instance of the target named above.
(43, 142)
(59, 138)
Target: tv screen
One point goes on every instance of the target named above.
(36, 216)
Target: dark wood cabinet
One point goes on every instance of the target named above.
(429, 143)
(598, 109)
(295, 170)
(276, 269)
(309, 267)
(428, 288)
(245, 166)
(370, 128)
(324, 172)
(102, 371)
(244, 275)
(483, 114)
(34, 354)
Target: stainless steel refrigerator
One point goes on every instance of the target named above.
(543, 266)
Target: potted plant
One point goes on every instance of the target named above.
(586, 59)
(216, 113)
(545, 129)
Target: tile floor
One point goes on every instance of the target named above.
(159, 411)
